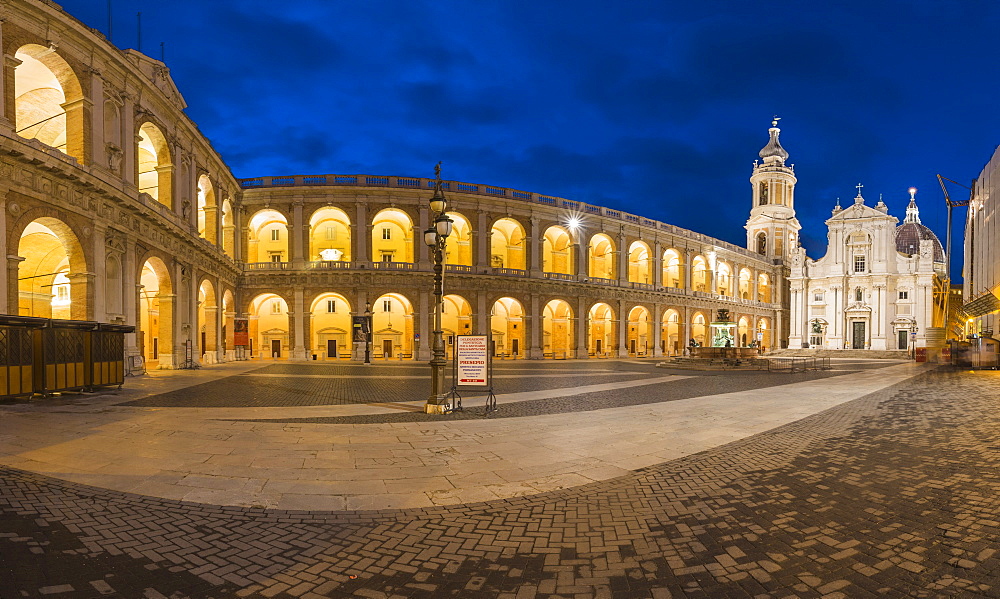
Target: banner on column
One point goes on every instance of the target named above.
(472, 361)
(241, 332)
(362, 329)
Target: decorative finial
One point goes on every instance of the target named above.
(774, 121)
(913, 193)
(859, 186)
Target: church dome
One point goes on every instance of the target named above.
(773, 147)
(911, 232)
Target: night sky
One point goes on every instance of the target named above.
(656, 108)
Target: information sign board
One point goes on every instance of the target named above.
(472, 361)
(241, 332)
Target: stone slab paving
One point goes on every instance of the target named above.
(894, 494)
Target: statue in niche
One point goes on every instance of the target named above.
(114, 157)
(761, 243)
(763, 194)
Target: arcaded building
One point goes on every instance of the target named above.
(116, 209)
(981, 271)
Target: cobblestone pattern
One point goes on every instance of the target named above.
(891, 495)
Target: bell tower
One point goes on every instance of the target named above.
(772, 229)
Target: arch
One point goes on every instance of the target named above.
(638, 335)
(456, 319)
(156, 313)
(392, 236)
(601, 253)
(764, 288)
(228, 323)
(208, 314)
(331, 326)
(330, 235)
(228, 229)
(673, 276)
(269, 338)
(670, 332)
(48, 100)
(639, 263)
(557, 329)
(458, 245)
(699, 328)
(50, 248)
(557, 251)
(699, 273)
(507, 241)
(764, 334)
(207, 210)
(267, 237)
(114, 300)
(762, 243)
(743, 333)
(154, 167)
(746, 284)
(723, 278)
(507, 327)
(602, 333)
(392, 326)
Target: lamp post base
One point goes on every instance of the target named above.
(432, 408)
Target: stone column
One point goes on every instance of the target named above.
(297, 340)
(623, 325)
(99, 239)
(688, 267)
(482, 238)
(81, 293)
(581, 258)
(481, 318)
(686, 311)
(582, 332)
(295, 255)
(534, 257)
(423, 252)
(657, 321)
(656, 263)
(98, 151)
(130, 293)
(6, 92)
(13, 290)
(535, 327)
(6, 307)
(622, 260)
(360, 236)
(358, 348)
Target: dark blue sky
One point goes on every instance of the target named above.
(657, 108)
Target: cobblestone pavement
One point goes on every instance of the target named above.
(895, 494)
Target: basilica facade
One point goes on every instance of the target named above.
(117, 209)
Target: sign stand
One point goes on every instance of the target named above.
(472, 368)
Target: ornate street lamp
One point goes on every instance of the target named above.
(368, 332)
(435, 238)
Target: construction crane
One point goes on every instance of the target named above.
(951, 204)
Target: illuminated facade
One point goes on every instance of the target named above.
(117, 209)
(981, 269)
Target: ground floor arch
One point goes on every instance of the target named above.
(269, 330)
(671, 333)
(330, 325)
(557, 330)
(764, 334)
(456, 319)
(638, 335)
(154, 329)
(392, 327)
(699, 329)
(602, 333)
(507, 326)
(52, 277)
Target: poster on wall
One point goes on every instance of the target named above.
(241, 332)
(472, 361)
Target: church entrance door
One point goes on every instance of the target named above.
(903, 338)
(858, 335)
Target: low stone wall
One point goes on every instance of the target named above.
(892, 354)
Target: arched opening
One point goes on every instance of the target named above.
(764, 334)
(154, 166)
(602, 257)
(507, 244)
(268, 237)
(507, 326)
(602, 333)
(392, 327)
(746, 284)
(637, 336)
(458, 245)
(639, 267)
(208, 314)
(47, 281)
(392, 236)
(764, 288)
(48, 100)
(207, 210)
(672, 275)
(670, 333)
(156, 314)
(557, 251)
(330, 235)
(269, 337)
(724, 279)
(699, 329)
(557, 329)
(228, 229)
(743, 333)
(699, 273)
(331, 326)
(762, 243)
(456, 319)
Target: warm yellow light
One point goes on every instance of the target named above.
(573, 222)
(913, 190)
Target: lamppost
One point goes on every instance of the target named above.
(368, 332)
(435, 238)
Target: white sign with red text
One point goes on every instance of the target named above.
(472, 360)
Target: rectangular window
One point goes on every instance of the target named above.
(904, 294)
(331, 306)
(859, 264)
(386, 233)
(275, 234)
(275, 257)
(387, 305)
(275, 306)
(818, 296)
(387, 256)
(331, 233)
